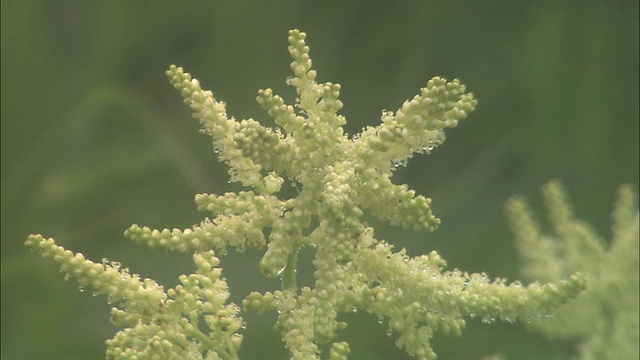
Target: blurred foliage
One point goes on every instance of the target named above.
(95, 139)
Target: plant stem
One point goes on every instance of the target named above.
(289, 273)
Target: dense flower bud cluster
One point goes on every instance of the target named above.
(158, 324)
(240, 221)
(416, 294)
(338, 178)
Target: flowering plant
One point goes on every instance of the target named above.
(340, 178)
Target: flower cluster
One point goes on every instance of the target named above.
(157, 324)
(605, 317)
(339, 178)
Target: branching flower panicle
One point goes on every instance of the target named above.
(158, 324)
(605, 317)
(340, 178)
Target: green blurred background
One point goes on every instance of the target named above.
(95, 139)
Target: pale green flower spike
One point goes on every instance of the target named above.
(605, 317)
(339, 179)
(158, 325)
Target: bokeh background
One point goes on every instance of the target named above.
(95, 139)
